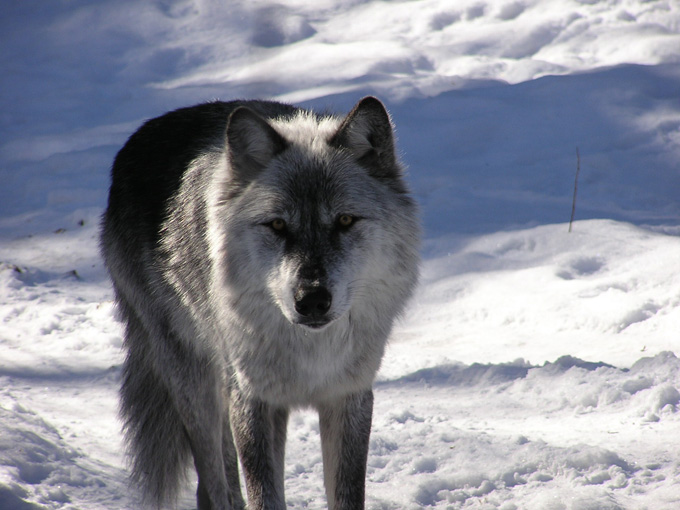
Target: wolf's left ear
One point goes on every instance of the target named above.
(251, 143)
(367, 133)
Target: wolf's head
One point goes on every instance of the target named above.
(317, 216)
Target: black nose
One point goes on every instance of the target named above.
(312, 302)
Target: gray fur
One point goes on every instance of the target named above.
(260, 254)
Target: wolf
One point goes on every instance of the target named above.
(260, 254)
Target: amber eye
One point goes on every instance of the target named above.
(278, 224)
(345, 220)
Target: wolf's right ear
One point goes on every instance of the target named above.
(251, 144)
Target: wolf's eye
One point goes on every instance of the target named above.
(278, 225)
(345, 220)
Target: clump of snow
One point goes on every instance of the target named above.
(536, 368)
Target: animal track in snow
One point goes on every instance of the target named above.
(641, 314)
(581, 267)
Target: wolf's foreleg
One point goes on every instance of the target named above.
(196, 388)
(260, 433)
(231, 461)
(345, 430)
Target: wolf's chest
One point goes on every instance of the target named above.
(303, 370)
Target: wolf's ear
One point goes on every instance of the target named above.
(367, 133)
(251, 143)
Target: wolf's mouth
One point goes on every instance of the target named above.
(317, 324)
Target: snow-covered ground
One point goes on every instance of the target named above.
(536, 368)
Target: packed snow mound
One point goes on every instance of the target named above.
(605, 289)
(514, 441)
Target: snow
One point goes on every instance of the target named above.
(536, 368)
